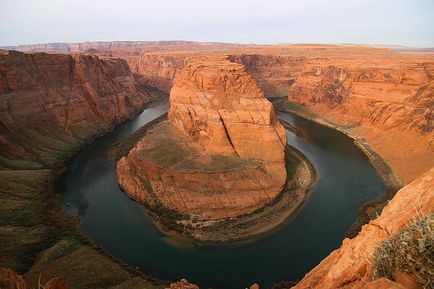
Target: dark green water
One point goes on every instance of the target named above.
(345, 181)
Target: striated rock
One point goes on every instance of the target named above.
(275, 74)
(222, 108)
(349, 265)
(51, 105)
(376, 95)
(387, 103)
(157, 70)
(67, 98)
(220, 155)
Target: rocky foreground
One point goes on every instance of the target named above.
(350, 266)
(219, 156)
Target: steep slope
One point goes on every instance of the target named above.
(157, 70)
(50, 106)
(387, 104)
(349, 266)
(219, 104)
(49, 102)
(275, 74)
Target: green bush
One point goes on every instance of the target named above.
(410, 250)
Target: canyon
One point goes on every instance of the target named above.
(53, 104)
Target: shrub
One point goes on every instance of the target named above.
(410, 250)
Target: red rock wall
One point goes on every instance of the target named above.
(348, 266)
(157, 70)
(275, 74)
(219, 104)
(388, 104)
(68, 98)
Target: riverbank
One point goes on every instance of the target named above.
(369, 210)
(300, 177)
(40, 239)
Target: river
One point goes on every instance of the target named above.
(346, 180)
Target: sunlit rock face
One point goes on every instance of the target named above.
(219, 104)
(220, 154)
(350, 266)
(386, 102)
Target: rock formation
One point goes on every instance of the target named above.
(275, 74)
(376, 95)
(50, 101)
(222, 108)
(220, 155)
(387, 103)
(51, 105)
(349, 266)
(157, 70)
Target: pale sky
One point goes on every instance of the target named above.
(400, 22)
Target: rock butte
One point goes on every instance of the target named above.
(220, 154)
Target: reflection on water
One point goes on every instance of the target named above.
(123, 228)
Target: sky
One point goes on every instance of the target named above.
(389, 22)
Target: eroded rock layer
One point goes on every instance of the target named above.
(51, 105)
(389, 105)
(349, 266)
(376, 95)
(222, 108)
(221, 154)
(50, 102)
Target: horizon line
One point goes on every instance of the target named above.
(379, 45)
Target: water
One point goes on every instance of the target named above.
(345, 181)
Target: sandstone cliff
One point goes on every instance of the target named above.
(275, 74)
(157, 70)
(124, 48)
(349, 266)
(50, 106)
(222, 107)
(51, 102)
(379, 97)
(386, 103)
(220, 155)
